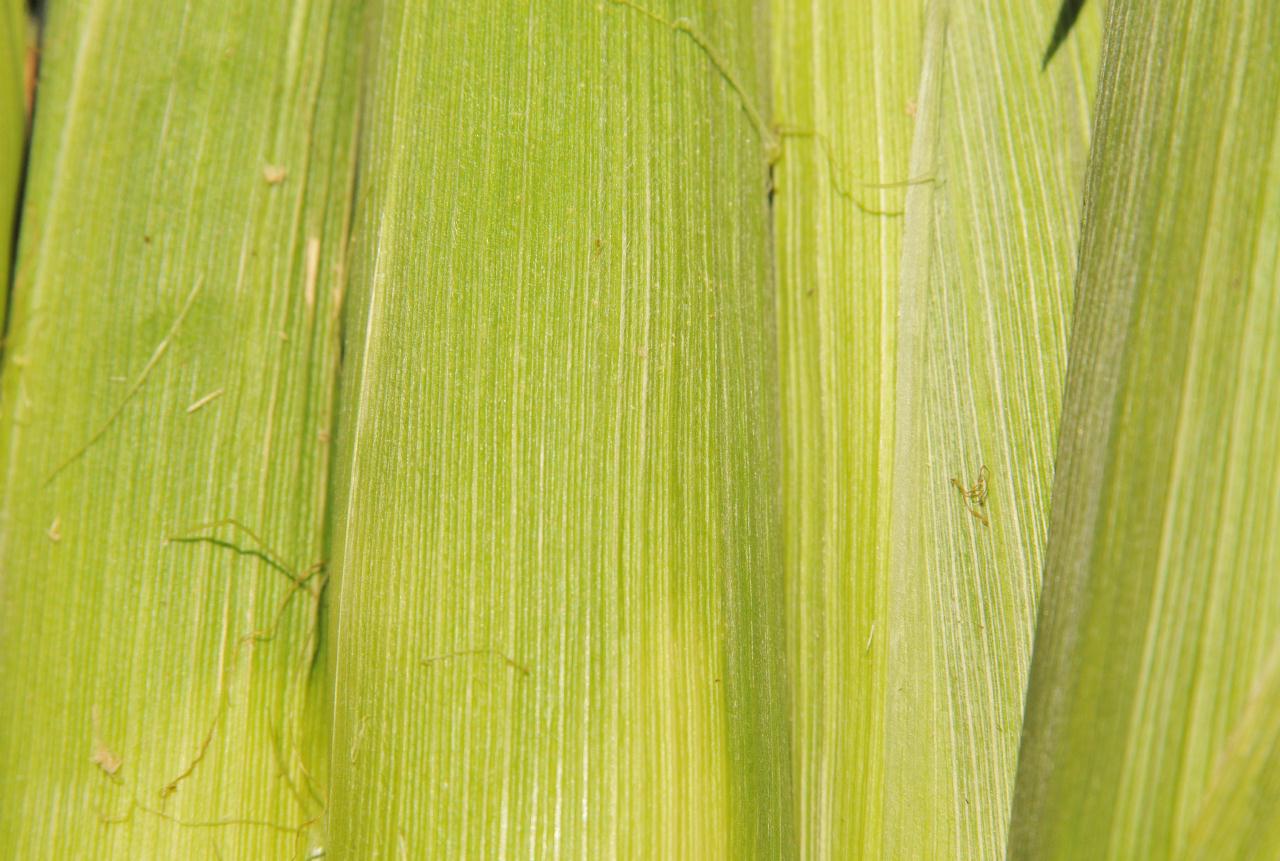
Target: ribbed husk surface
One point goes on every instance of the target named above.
(926, 224)
(154, 669)
(1151, 711)
(557, 625)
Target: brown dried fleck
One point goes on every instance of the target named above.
(102, 755)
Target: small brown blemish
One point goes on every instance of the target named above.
(146, 239)
(55, 530)
(102, 755)
(105, 759)
(274, 174)
(910, 109)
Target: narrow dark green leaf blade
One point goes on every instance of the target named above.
(1067, 17)
(13, 49)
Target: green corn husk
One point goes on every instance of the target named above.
(845, 77)
(1236, 818)
(628, 553)
(983, 318)
(153, 669)
(910, 621)
(1150, 715)
(557, 625)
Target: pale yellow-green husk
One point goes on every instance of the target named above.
(158, 266)
(916, 349)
